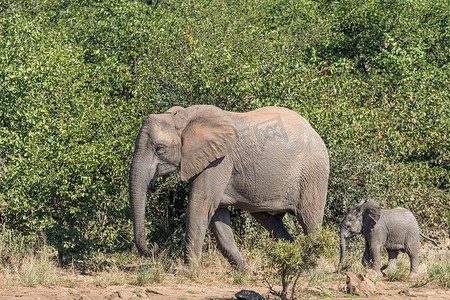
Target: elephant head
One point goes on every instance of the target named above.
(186, 138)
(358, 221)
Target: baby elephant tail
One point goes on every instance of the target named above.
(427, 238)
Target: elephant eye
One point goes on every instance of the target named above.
(160, 150)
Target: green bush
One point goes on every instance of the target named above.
(290, 259)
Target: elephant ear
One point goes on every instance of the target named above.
(359, 209)
(174, 110)
(208, 135)
(360, 204)
(371, 215)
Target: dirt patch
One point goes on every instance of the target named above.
(214, 280)
(88, 291)
(83, 288)
(384, 290)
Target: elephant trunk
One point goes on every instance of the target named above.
(341, 260)
(141, 174)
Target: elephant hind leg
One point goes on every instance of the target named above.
(412, 249)
(414, 262)
(221, 228)
(392, 263)
(274, 224)
(311, 207)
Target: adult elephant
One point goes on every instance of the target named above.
(269, 162)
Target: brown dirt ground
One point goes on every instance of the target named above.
(83, 288)
(74, 286)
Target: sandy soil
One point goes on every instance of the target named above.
(210, 284)
(83, 288)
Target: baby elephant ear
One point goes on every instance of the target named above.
(359, 209)
(371, 215)
(208, 135)
(361, 202)
(174, 110)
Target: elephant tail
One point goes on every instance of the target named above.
(427, 238)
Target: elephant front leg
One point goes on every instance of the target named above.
(196, 224)
(206, 193)
(200, 210)
(375, 253)
(366, 256)
(221, 227)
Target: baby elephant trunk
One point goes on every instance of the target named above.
(342, 249)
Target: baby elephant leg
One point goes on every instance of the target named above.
(412, 249)
(375, 253)
(414, 261)
(366, 256)
(392, 264)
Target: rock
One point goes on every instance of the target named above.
(357, 284)
(379, 285)
(124, 294)
(371, 274)
(113, 296)
(248, 295)
(406, 293)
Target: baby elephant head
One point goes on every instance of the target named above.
(359, 221)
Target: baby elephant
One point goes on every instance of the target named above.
(395, 229)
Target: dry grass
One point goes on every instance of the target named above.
(32, 268)
(213, 269)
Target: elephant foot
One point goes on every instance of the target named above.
(413, 275)
(389, 269)
(150, 251)
(185, 270)
(244, 268)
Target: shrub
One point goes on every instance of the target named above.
(290, 259)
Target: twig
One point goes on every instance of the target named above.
(294, 285)
(123, 194)
(271, 290)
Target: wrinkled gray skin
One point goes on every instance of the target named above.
(269, 162)
(395, 229)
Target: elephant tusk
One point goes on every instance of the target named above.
(123, 194)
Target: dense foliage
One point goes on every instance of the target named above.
(78, 77)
